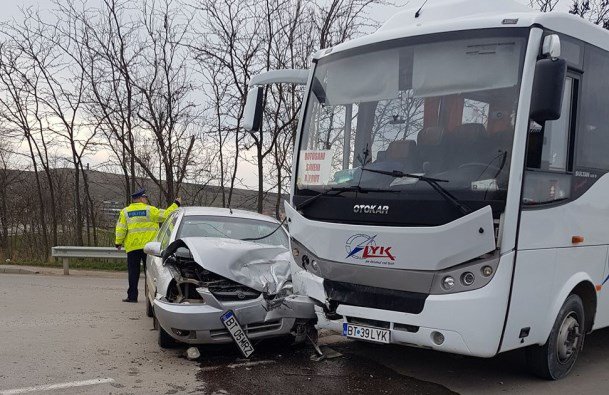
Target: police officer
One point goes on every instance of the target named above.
(137, 225)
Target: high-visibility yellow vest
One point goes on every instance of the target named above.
(138, 223)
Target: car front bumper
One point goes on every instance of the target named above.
(199, 323)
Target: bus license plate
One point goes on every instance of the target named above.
(366, 333)
(237, 333)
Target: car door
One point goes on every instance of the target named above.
(154, 263)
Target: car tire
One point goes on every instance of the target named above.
(165, 341)
(149, 309)
(555, 359)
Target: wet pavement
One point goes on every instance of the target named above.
(277, 369)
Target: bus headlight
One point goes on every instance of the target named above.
(448, 282)
(466, 277)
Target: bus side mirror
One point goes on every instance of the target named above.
(252, 114)
(548, 90)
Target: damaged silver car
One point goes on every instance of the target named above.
(219, 275)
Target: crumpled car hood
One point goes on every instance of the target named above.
(261, 267)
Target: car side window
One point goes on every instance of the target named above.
(167, 230)
(162, 230)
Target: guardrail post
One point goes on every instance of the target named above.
(66, 266)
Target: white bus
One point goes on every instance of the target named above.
(450, 186)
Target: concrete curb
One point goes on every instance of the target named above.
(17, 270)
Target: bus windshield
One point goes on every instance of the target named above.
(435, 108)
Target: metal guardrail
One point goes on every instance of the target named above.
(67, 252)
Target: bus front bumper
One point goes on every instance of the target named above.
(471, 323)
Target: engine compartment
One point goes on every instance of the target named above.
(188, 275)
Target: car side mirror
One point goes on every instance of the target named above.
(548, 90)
(252, 114)
(153, 248)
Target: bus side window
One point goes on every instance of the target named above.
(593, 131)
(549, 154)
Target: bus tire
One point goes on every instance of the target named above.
(555, 359)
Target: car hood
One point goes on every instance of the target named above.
(261, 267)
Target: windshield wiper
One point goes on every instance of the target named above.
(433, 182)
(340, 191)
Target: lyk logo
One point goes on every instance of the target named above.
(365, 247)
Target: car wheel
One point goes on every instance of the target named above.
(555, 359)
(165, 341)
(149, 309)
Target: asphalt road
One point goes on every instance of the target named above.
(75, 336)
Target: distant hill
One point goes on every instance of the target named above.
(108, 193)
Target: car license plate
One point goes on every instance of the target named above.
(237, 333)
(366, 333)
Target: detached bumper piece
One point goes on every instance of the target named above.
(376, 298)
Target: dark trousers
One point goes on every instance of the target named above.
(133, 266)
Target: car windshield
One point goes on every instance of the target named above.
(434, 107)
(232, 228)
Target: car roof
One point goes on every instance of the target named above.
(225, 212)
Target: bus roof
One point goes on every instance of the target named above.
(440, 16)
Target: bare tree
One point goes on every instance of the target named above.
(22, 113)
(544, 5)
(166, 110)
(294, 30)
(596, 11)
(112, 47)
(127, 77)
(226, 51)
(137, 67)
(220, 134)
(9, 178)
(62, 70)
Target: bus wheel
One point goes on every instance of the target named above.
(555, 359)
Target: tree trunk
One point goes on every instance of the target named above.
(4, 231)
(41, 202)
(78, 220)
(90, 206)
